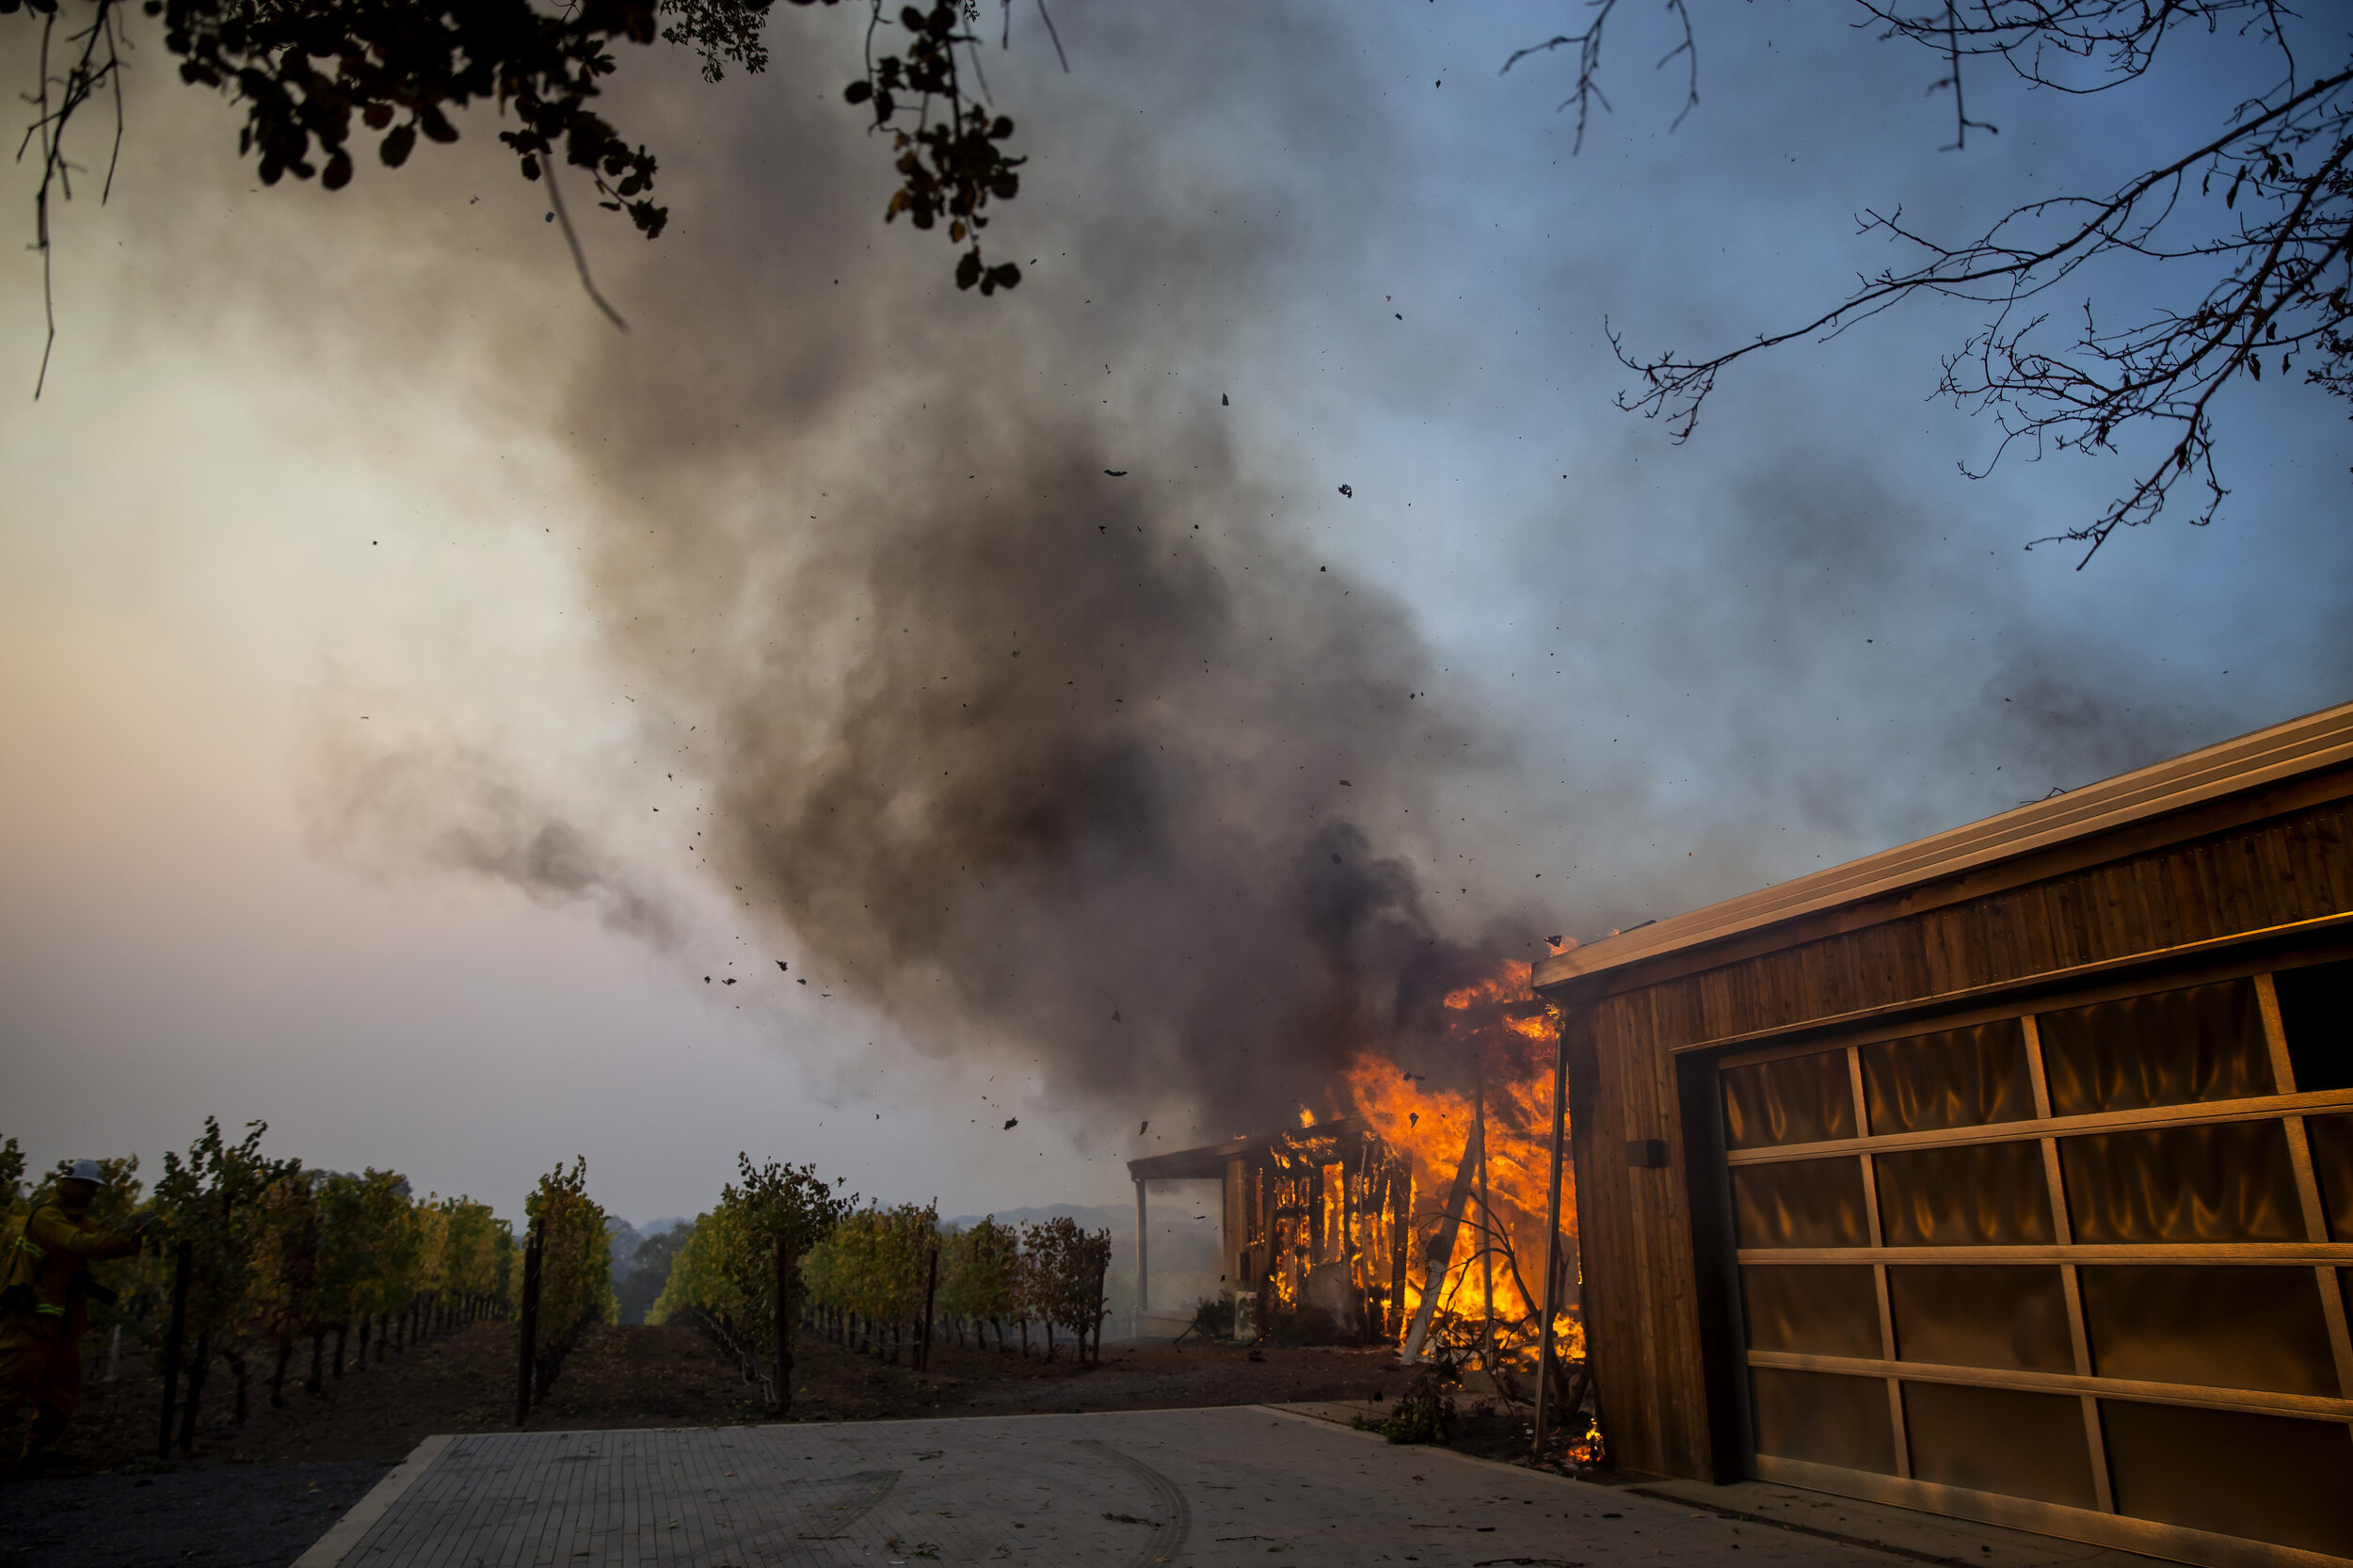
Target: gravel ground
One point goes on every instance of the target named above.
(209, 1516)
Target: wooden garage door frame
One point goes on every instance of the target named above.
(2102, 1524)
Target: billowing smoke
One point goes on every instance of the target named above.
(1105, 768)
(1003, 695)
(1009, 659)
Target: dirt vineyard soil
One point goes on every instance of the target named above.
(672, 1376)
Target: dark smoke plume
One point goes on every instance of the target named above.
(1102, 767)
(1084, 761)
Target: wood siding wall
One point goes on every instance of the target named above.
(2080, 903)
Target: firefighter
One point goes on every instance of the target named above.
(44, 1304)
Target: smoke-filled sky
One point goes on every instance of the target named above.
(422, 700)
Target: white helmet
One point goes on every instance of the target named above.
(85, 1170)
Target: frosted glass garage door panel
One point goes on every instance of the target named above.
(1824, 1418)
(2175, 1048)
(1820, 1309)
(2222, 1327)
(1791, 1099)
(2269, 1478)
(2000, 1440)
(1954, 1078)
(2009, 1317)
(2226, 1181)
(1968, 1195)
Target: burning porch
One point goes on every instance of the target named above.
(1429, 1214)
(1315, 1219)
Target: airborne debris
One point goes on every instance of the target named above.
(730, 981)
(1224, 401)
(1142, 1128)
(1114, 1014)
(1348, 492)
(1011, 1121)
(780, 964)
(1116, 472)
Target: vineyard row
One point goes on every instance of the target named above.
(252, 1260)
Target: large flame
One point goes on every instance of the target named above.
(1499, 1045)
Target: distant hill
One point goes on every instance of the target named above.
(1119, 1219)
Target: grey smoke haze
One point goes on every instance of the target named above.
(383, 808)
(1044, 761)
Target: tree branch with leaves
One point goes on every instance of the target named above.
(318, 79)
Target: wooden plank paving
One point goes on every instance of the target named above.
(1129, 1490)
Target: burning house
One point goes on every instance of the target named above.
(1315, 1217)
(1419, 1216)
(2005, 1174)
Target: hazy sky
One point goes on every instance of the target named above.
(413, 688)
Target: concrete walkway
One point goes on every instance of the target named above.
(1142, 1488)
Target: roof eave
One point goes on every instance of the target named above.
(2300, 745)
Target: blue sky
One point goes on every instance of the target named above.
(373, 611)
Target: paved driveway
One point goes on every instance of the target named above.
(1185, 1487)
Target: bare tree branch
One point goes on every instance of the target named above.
(97, 64)
(1587, 46)
(1962, 122)
(2074, 46)
(580, 257)
(2276, 260)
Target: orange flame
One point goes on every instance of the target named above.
(1503, 1041)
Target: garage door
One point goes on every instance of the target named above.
(2083, 1269)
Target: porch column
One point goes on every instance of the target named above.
(1143, 1296)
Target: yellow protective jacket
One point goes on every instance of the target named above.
(51, 1255)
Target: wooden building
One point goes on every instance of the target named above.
(1312, 1216)
(2005, 1174)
